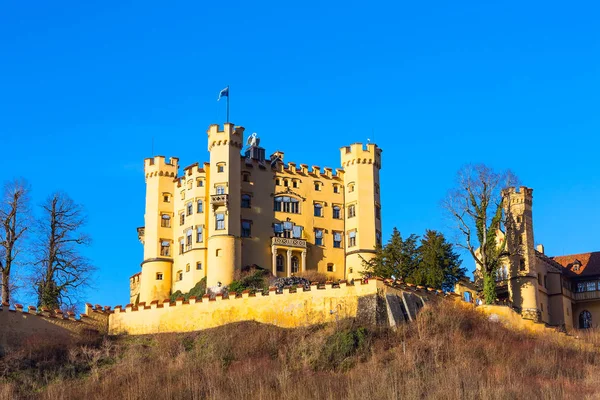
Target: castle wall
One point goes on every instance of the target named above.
(18, 325)
(286, 310)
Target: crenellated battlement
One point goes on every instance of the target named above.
(230, 135)
(159, 166)
(357, 153)
(292, 307)
(519, 195)
(292, 168)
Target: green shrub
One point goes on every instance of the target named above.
(198, 291)
(338, 350)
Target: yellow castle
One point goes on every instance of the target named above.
(239, 210)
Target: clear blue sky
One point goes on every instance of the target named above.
(84, 87)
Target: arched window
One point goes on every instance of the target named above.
(467, 296)
(351, 187)
(246, 201)
(165, 221)
(295, 264)
(286, 204)
(318, 210)
(585, 319)
(337, 212)
(279, 262)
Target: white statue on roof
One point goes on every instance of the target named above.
(253, 140)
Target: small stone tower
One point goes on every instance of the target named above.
(362, 215)
(523, 283)
(158, 242)
(224, 221)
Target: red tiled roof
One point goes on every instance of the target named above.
(590, 263)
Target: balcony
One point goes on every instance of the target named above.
(591, 295)
(219, 200)
(288, 242)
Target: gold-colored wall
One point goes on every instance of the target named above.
(286, 310)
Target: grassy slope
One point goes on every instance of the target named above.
(449, 353)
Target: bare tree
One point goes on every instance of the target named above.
(476, 206)
(15, 219)
(61, 271)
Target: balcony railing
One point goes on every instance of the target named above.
(595, 294)
(219, 200)
(289, 242)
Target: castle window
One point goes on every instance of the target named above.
(336, 189)
(198, 265)
(337, 212)
(519, 219)
(187, 267)
(350, 187)
(199, 182)
(165, 221)
(294, 183)
(590, 286)
(286, 204)
(159, 276)
(319, 237)
(246, 228)
(351, 238)
(317, 186)
(166, 197)
(245, 177)
(378, 238)
(188, 240)
(165, 247)
(220, 189)
(181, 219)
(377, 212)
(295, 265)
(285, 183)
(522, 266)
(585, 319)
(539, 279)
(279, 263)
(199, 206)
(190, 184)
(221, 167)
(218, 252)
(337, 240)
(181, 245)
(277, 182)
(183, 195)
(318, 212)
(199, 238)
(329, 267)
(190, 208)
(220, 225)
(179, 275)
(287, 229)
(246, 201)
(351, 211)
(297, 232)
(278, 230)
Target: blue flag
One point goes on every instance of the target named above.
(224, 93)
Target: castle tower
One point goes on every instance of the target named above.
(362, 215)
(157, 234)
(523, 284)
(224, 220)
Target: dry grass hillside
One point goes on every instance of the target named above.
(451, 352)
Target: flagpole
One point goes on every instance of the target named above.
(228, 91)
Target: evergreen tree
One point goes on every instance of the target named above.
(398, 258)
(439, 266)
